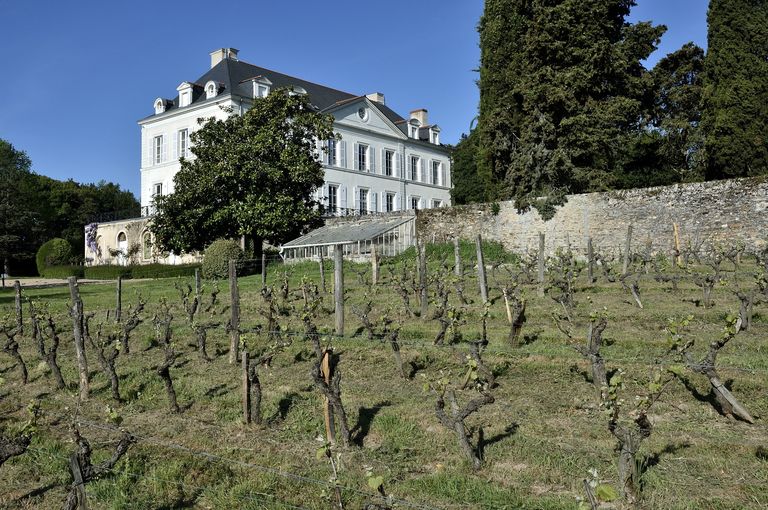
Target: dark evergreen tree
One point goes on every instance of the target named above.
(468, 185)
(18, 223)
(735, 116)
(563, 94)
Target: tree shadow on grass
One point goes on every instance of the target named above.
(483, 443)
(365, 416)
(283, 407)
(652, 460)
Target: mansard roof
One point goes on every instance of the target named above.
(234, 77)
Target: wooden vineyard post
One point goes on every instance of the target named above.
(119, 299)
(263, 269)
(457, 269)
(423, 296)
(338, 287)
(198, 284)
(234, 321)
(676, 230)
(78, 482)
(542, 259)
(374, 265)
(322, 271)
(77, 322)
(627, 250)
(246, 388)
(590, 261)
(481, 269)
(330, 426)
(19, 317)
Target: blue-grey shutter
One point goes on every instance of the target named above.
(343, 198)
(443, 179)
(343, 153)
(372, 163)
(175, 146)
(355, 199)
(397, 201)
(374, 202)
(164, 157)
(355, 158)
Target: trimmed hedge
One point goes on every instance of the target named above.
(107, 272)
(145, 271)
(56, 252)
(163, 271)
(217, 257)
(63, 272)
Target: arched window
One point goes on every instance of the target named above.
(211, 90)
(159, 105)
(147, 246)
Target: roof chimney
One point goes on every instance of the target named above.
(222, 53)
(420, 115)
(376, 97)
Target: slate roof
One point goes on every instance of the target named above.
(350, 231)
(233, 76)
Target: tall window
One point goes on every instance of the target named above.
(333, 198)
(389, 202)
(414, 168)
(157, 149)
(363, 207)
(389, 162)
(414, 203)
(147, 247)
(183, 142)
(362, 157)
(332, 154)
(436, 172)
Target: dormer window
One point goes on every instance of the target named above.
(413, 128)
(434, 135)
(185, 94)
(261, 86)
(296, 90)
(211, 90)
(159, 105)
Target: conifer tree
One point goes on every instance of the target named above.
(562, 95)
(735, 116)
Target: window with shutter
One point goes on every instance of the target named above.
(343, 198)
(372, 162)
(343, 153)
(374, 202)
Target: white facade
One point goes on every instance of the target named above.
(399, 172)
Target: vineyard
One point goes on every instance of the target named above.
(427, 380)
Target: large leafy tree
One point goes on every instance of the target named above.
(670, 148)
(18, 224)
(735, 116)
(253, 175)
(563, 94)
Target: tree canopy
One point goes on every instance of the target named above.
(252, 175)
(563, 92)
(735, 114)
(35, 208)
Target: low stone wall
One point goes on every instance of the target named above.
(723, 212)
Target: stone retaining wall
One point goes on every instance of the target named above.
(723, 212)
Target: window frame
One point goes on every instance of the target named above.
(362, 152)
(333, 199)
(182, 148)
(157, 149)
(362, 205)
(414, 162)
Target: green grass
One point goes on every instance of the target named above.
(544, 432)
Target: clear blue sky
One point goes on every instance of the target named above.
(76, 75)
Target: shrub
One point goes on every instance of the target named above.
(217, 256)
(163, 271)
(62, 272)
(56, 252)
(107, 272)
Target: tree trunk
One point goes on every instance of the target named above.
(77, 320)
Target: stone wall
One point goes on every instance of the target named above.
(714, 212)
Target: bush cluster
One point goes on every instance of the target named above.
(56, 252)
(217, 256)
